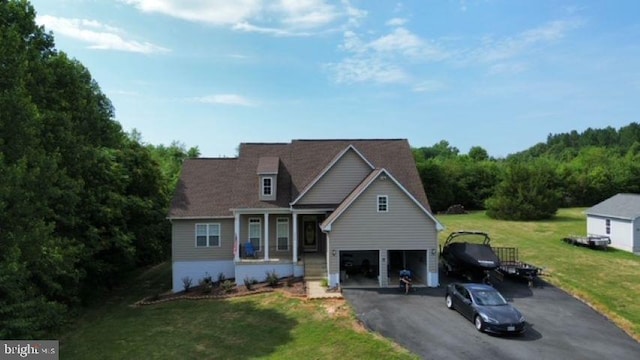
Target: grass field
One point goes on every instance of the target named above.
(607, 280)
(261, 326)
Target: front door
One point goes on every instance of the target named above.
(310, 234)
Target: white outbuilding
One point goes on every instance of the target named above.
(618, 218)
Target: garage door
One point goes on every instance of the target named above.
(414, 260)
(359, 268)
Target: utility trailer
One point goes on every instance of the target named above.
(511, 266)
(592, 241)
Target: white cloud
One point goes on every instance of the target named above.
(403, 41)
(246, 27)
(428, 86)
(216, 12)
(385, 59)
(397, 22)
(98, 35)
(352, 70)
(499, 50)
(224, 99)
(238, 56)
(279, 18)
(507, 68)
(306, 13)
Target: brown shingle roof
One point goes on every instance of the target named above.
(301, 161)
(204, 188)
(268, 165)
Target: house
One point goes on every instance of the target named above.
(618, 218)
(344, 210)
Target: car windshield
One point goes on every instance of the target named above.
(489, 298)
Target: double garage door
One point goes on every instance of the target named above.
(373, 268)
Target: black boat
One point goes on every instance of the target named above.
(471, 259)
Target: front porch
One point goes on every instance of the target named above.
(289, 243)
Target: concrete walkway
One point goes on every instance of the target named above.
(316, 291)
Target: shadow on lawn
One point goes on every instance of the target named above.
(236, 329)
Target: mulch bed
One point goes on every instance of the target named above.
(293, 287)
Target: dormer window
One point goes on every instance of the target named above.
(267, 171)
(267, 184)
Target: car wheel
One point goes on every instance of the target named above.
(449, 302)
(477, 321)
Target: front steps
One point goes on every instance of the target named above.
(315, 266)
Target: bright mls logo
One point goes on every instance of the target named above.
(33, 349)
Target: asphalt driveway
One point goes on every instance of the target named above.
(559, 326)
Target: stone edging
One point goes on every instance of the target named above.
(148, 301)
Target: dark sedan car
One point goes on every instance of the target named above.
(485, 307)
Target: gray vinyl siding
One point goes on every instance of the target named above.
(274, 253)
(404, 227)
(183, 241)
(338, 181)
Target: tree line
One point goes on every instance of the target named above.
(568, 170)
(81, 201)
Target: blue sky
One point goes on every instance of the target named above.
(500, 74)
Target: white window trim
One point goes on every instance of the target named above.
(386, 198)
(263, 187)
(252, 220)
(208, 226)
(278, 221)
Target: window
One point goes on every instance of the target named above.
(207, 235)
(255, 233)
(607, 224)
(383, 203)
(282, 233)
(266, 186)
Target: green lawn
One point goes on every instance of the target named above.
(261, 326)
(607, 280)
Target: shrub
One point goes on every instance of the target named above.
(206, 285)
(221, 278)
(207, 278)
(324, 283)
(527, 192)
(187, 282)
(272, 278)
(249, 282)
(228, 286)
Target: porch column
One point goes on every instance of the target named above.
(236, 237)
(266, 236)
(295, 238)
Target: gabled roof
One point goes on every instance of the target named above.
(328, 167)
(211, 187)
(326, 224)
(622, 206)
